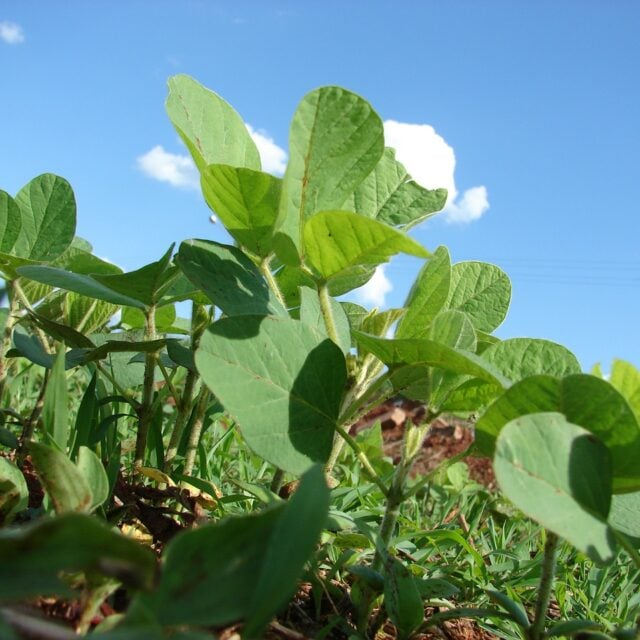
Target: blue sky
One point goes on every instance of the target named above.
(538, 102)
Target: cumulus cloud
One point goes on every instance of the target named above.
(179, 169)
(431, 161)
(176, 169)
(274, 158)
(376, 290)
(10, 32)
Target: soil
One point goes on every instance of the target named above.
(448, 437)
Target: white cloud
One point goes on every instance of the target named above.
(375, 291)
(11, 32)
(431, 162)
(176, 169)
(179, 170)
(471, 206)
(274, 158)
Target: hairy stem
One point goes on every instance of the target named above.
(536, 631)
(20, 294)
(327, 312)
(196, 430)
(355, 405)
(30, 423)
(199, 321)
(145, 410)
(364, 461)
(265, 269)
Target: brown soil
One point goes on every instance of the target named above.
(448, 437)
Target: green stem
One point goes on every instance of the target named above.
(395, 496)
(199, 321)
(276, 481)
(30, 423)
(12, 319)
(364, 461)
(265, 269)
(145, 410)
(196, 430)
(327, 313)
(354, 407)
(27, 305)
(536, 631)
(117, 386)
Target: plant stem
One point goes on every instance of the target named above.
(145, 410)
(30, 423)
(27, 305)
(327, 313)
(199, 321)
(364, 461)
(276, 481)
(265, 269)
(117, 386)
(196, 430)
(536, 631)
(353, 407)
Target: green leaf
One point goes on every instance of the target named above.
(389, 194)
(515, 608)
(229, 278)
(117, 346)
(196, 563)
(34, 555)
(625, 515)
(78, 313)
(427, 297)
(61, 479)
(482, 291)
(422, 351)
(10, 222)
(335, 140)
(147, 284)
(540, 464)
(290, 279)
(29, 347)
(519, 358)
(454, 329)
(183, 289)
(293, 541)
(61, 332)
(212, 130)
(14, 493)
(48, 211)
(311, 314)
(355, 313)
(402, 599)
(626, 379)
(257, 558)
(246, 202)
(164, 318)
(55, 412)
(584, 400)
(181, 355)
(294, 376)
(87, 417)
(92, 470)
(380, 323)
(80, 283)
(335, 241)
